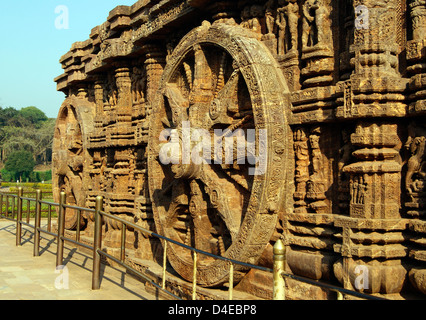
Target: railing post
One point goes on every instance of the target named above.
(231, 281)
(19, 218)
(123, 243)
(7, 206)
(61, 229)
(96, 280)
(1, 204)
(279, 282)
(37, 224)
(163, 283)
(194, 277)
(28, 210)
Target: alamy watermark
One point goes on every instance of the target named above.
(361, 281)
(62, 281)
(62, 17)
(188, 145)
(362, 17)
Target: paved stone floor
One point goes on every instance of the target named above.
(25, 277)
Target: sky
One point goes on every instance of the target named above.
(33, 37)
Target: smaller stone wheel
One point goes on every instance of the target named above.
(68, 159)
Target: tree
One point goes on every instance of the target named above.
(34, 115)
(21, 163)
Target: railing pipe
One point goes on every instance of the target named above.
(19, 218)
(279, 282)
(37, 224)
(96, 281)
(61, 229)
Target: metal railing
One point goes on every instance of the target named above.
(279, 275)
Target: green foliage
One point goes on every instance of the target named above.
(40, 176)
(7, 176)
(33, 115)
(21, 163)
(27, 129)
(21, 118)
(28, 186)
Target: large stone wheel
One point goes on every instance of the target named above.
(68, 163)
(220, 77)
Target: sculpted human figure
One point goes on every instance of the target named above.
(138, 86)
(282, 24)
(287, 21)
(292, 13)
(308, 23)
(321, 16)
(315, 29)
(269, 17)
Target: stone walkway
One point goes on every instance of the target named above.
(25, 277)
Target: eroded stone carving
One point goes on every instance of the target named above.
(337, 89)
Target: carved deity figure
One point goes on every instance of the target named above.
(301, 150)
(287, 21)
(269, 17)
(315, 30)
(308, 23)
(316, 183)
(358, 190)
(416, 143)
(302, 154)
(321, 18)
(138, 86)
(282, 26)
(316, 153)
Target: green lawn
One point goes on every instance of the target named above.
(29, 190)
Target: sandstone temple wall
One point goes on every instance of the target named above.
(340, 89)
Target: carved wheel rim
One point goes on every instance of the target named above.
(68, 149)
(219, 77)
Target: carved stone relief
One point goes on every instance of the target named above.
(339, 89)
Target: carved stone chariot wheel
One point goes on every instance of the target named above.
(219, 77)
(68, 157)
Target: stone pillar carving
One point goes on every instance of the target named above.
(154, 64)
(372, 235)
(99, 100)
(375, 52)
(416, 55)
(372, 241)
(139, 91)
(418, 19)
(124, 93)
